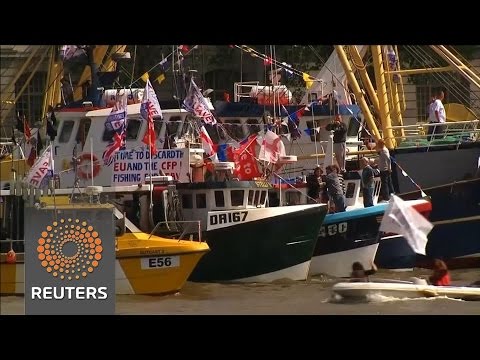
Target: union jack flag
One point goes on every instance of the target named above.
(196, 104)
(117, 144)
(116, 122)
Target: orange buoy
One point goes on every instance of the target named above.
(11, 257)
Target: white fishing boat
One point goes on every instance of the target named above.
(404, 289)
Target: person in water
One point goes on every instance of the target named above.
(359, 274)
(440, 276)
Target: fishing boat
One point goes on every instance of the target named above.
(455, 215)
(404, 289)
(249, 241)
(354, 235)
(436, 163)
(282, 251)
(145, 263)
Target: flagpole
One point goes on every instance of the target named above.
(150, 165)
(91, 157)
(53, 187)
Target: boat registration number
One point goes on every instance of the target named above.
(160, 262)
(333, 229)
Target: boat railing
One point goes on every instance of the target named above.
(420, 135)
(179, 230)
(243, 89)
(16, 245)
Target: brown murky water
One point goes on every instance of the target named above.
(284, 297)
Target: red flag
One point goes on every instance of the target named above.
(245, 163)
(26, 130)
(32, 156)
(183, 48)
(149, 138)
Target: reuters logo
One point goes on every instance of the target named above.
(69, 249)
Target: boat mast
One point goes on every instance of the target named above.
(358, 93)
(382, 94)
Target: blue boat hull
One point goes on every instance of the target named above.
(345, 238)
(456, 218)
(395, 253)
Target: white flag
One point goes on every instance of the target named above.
(40, 169)
(402, 219)
(150, 96)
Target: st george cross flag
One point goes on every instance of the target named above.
(402, 219)
(196, 104)
(116, 122)
(271, 148)
(207, 144)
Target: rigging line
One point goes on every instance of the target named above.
(447, 78)
(290, 185)
(463, 59)
(326, 67)
(133, 66)
(165, 59)
(255, 53)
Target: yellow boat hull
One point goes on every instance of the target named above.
(142, 266)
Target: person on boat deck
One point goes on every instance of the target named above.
(334, 188)
(437, 116)
(368, 184)
(385, 167)
(339, 138)
(359, 274)
(315, 182)
(440, 276)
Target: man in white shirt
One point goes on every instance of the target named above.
(437, 116)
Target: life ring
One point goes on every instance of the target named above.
(83, 171)
(11, 257)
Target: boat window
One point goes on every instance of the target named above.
(187, 201)
(292, 197)
(66, 133)
(257, 196)
(237, 196)
(107, 134)
(172, 125)
(312, 97)
(234, 128)
(133, 127)
(350, 190)
(201, 201)
(353, 127)
(250, 197)
(312, 129)
(219, 199)
(157, 124)
(213, 132)
(253, 126)
(82, 131)
(263, 197)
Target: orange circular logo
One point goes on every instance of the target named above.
(69, 249)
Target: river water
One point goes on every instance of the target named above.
(312, 297)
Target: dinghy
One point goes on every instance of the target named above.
(404, 289)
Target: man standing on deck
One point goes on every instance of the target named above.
(339, 138)
(385, 167)
(437, 116)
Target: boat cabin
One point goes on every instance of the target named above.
(197, 199)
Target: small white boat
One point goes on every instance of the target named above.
(404, 289)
